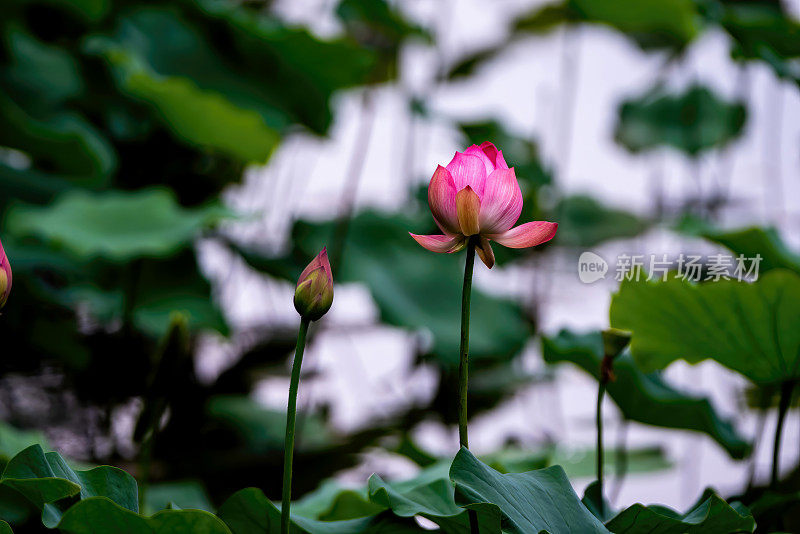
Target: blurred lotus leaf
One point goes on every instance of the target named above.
(710, 514)
(692, 121)
(332, 502)
(760, 31)
(158, 58)
(181, 494)
(651, 23)
(519, 152)
(262, 428)
(576, 463)
(13, 441)
(378, 26)
(117, 226)
(585, 222)
(469, 64)
(749, 242)
(73, 151)
(40, 75)
(645, 398)
(750, 328)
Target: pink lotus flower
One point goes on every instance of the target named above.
(5, 277)
(313, 296)
(478, 195)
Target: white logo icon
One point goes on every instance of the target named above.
(591, 267)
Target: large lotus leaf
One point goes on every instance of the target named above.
(749, 242)
(530, 503)
(115, 225)
(576, 463)
(99, 515)
(763, 31)
(249, 512)
(297, 58)
(711, 515)
(377, 23)
(692, 121)
(584, 222)
(38, 79)
(748, 327)
(434, 500)
(158, 58)
(219, 87)
(5, 528)
(645, 398)
(413, 288)
(760, 28)
(651, 23)
(331, 502)
(45, 479)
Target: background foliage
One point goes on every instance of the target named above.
(124, 124)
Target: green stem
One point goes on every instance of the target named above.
(783, 407)
(291, 415)
(463, 366)
(601, 391)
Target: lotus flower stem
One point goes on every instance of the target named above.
(614, 342)
(601, 391)
(783, 406)
(291, 416)
(761, 422)
(463, 366)
(474, 200)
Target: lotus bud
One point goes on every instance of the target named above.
(5, 277)
(314, 294)
(614, 342)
